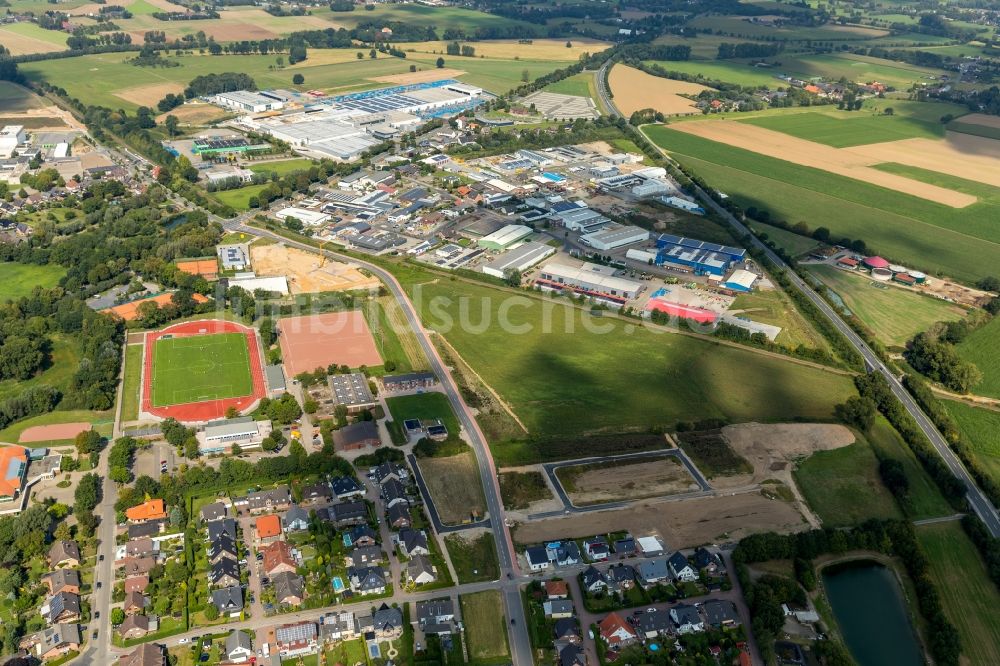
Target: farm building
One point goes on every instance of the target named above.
(591, 280)
(504, 237)
(615, 236)
(520, 259)
(702, 256)
(875, 262)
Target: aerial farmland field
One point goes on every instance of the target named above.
(981, 348)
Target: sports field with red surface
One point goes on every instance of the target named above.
(316, 341)
(48, 433)
(186, 377)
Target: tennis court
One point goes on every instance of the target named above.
(200, 367)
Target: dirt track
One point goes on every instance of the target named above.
(942, 156)
(305, 271)
(683, 524)
(634, 90)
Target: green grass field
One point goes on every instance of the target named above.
(282, 167)
(861, 129)
(974, 130)
(130, 387)
(981, 428)
(578, 84)
(568, 376)
(794, 244)
(475, 561)
(239, 198)
(775, 307)
(200, 367)
(103, 422)
(969, 597)
(736, 25)
(485, 626)
(422, 15)
(857, 68)
(843, 487)
(982, 348)
(894, 314)
(424, 406)
(927, 236)
(725, 71)
(17, 280)
(65, 361)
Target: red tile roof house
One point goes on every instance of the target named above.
(268, 529)
(616, 632)
(556, 589)
(278, 558)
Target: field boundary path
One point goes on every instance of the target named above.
(977, 499)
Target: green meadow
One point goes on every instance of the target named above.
(982, 347)
(857, 130)
(17, 280)
(981, 427)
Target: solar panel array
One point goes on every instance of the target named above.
(219, 144)
(690, 243)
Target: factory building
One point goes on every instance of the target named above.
(505, 237)
(614, 236)
(520, 259)
(701, 256)
(310, 218)
(591, 280)
(11, 136)
(249, 102)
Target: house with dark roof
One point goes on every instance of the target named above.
(214, 511)
(239, 647)
(63, 580)
(686, 619)
(52, 642)
(289, 588)
(362, 535)
(276, 499)
(537, 557)
(367, 580)
(140, 548)
(64, 554)
(681, 569)
(61, 607)
(134, 626)
(572, 655)
(413, 542)
(222, 547)
(597, 549)
(706, 560)
(393, 492)
(558, 608)
(567, 629)
(398, 516)
(135, 602)
(222, 526)
(224, 573)
(142, 530)
(346, 487)
(389, 470)
(228, 600)
(147, 654)
(295, 519)
(345, 513)
(139, 566)
(420, 571)
(317, 493)
(593, 581)
(358, 435)
(721, 613)
(655, 622)
(625, 547)
(387, 622)
(620, 577)
(651, 572)
(360, 555)
(435, 612)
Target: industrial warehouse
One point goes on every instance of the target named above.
(344, 126)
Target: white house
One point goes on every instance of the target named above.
(681, 569)
(538, 558)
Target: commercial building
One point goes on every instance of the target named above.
(352, 391)
(591, 280)
(740, 280)
(614, 236)
(701, 256)
(503, 238)
(408, 382)
(11, 136)
(220, 435)
(310, 218)
(251, 283)
(520, 259)
(13, 471)
(249, 102)
(225, 146)
(234, 257)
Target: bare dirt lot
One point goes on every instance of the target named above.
(981, 119)
(454, 484)
(684, 523)
(634, 89)
(538, 49)
(602, 483)
(150, 93)
(47, 117)
(195, 113)
(306, 271)
(421, 76)
(964, 156)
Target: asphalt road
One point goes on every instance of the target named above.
(977, 499)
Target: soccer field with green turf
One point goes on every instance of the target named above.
(200, 367)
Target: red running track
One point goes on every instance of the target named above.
(209, 409)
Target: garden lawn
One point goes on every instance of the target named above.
(843, 487)
(200, 367)
(424, 406)
(981, 348)
(927, 236)
(485, 626)
(565, 373)
(969, 596)
(475, 560)
(894, 314)
(17, 280)
(981, 428)
(281, 168)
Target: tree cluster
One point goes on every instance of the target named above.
(937, 359)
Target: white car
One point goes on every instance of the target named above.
(182, 641)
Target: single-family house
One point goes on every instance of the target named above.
(564, 554)
(136, 583)
(567, 629)
(537, 557)
(296, 639)
(135, 602)
(398, 516)
(61, 607)
(721, 613)
(268, 529)
(707, 561)
(64, 553)
(681, 569)
(367, 580)
(557, 609)
(435, 612)
(625, 547)
(387, 622)
(265, 501)
(620, 577)
(413, 542)
(346, 487)
(277, 557)
(317, 493)
(686, 618)
(393, 493)
(140, 548)
(147, 654)
(154, 509)
(295, 519)
(362, 535)
(389, 470)
(345, 513)
(556, 589)
(289, 588)
(239, 647)
(228, 600)
(593, 581)
(134, 626)
(226, 526)
(597, 549)
(655, 622)
(420, 571)
(572, 654)
(213, 511)
(616, 632)
(148, 529)
(53, 642)
(63, 580)
(651, 572)
(360, 555)
(224, 573)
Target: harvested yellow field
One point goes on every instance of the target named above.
(328, 57)
(307, 272)
(853, 162)
(635, 90)
(508, 49)
(421, 76)
(962, 155)
(22, 44)
(149, 94)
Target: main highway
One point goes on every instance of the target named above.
(976, 498)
